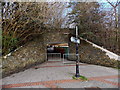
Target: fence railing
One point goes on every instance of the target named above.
(54, 57)
(70, 58)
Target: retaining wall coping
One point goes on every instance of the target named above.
(108, 53)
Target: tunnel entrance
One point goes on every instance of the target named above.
(56, 51)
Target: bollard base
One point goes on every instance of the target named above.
(80, 78)
(77, 75)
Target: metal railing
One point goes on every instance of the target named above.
(54, 57)
(70, 58)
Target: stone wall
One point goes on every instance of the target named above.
(91, 55)
(32, 53)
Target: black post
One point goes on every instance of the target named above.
(118, 27)
(77, 55)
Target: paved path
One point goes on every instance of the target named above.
(58, 75)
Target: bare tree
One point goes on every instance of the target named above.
(115, 5)
(26, 19)
(115, 14)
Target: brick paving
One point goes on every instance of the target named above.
(55, 83)
(102, 79)
(51, 84)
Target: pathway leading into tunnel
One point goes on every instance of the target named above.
(55, 74)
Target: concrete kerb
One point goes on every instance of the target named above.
(9, 54)
(108, 53)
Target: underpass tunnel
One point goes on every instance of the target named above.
(56, 51)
